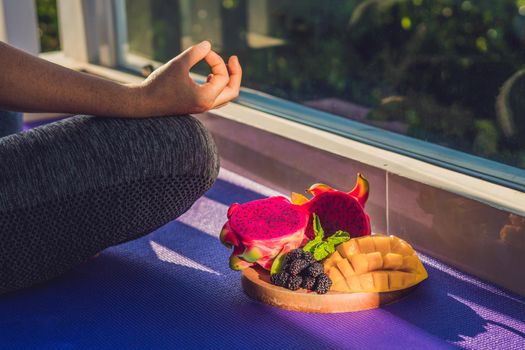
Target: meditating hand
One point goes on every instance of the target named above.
(170, 89)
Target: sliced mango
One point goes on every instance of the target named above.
(375, 263)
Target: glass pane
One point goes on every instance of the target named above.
(444, 71)
(48, 25)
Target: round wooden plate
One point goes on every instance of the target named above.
(256, 284)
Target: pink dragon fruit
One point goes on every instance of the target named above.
(260, 230)
(337, 210)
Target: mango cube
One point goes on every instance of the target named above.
(349, 248)
(338, 280)
(396, 280)
(332, 260)
(382, 244)
(392, 261)
(366, 244)
(353, 283)
(380, 280)
(367, 281)
(359, 263)
(375, 261)
(409, 263)
(401, 247)
(345, 268)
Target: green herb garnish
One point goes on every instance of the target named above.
(321, 248)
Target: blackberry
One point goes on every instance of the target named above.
(314, 270)
(308, 283)
(322, 283)
(294, 282)
(297, 266)
(280, 278)
(294, 255)
(308, 257)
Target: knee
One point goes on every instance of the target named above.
(169, 147)
(189, 147)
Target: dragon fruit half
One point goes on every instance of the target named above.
(337, 210)
(260, 230)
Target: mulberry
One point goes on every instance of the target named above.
(280, 278)
(322, 284)
(308, 283)
(294, 282)
(297, 266)
(294, 255)
(314, 270)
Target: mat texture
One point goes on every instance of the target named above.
(172, 289)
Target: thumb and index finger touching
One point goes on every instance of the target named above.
(221, 76)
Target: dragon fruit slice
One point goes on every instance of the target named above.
(337, 210)
(260, 230)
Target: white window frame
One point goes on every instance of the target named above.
(19, 25)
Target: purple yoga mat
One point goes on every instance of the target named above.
(172, 289)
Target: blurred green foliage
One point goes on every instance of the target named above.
(48, 25)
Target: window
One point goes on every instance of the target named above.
(48, 25)
(447, 72)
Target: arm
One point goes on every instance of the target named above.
(30, 84)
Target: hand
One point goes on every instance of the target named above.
(169, 90)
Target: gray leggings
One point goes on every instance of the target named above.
(74, 187)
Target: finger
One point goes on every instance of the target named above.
(209, 78)
(219, 74)
(232, 89)
(194, 54)
(235, 70)
(217, 65)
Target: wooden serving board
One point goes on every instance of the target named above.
(256, 284)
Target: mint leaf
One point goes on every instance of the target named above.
(313, 247)
(320, 248)
(330, 248)
(339, 237)
(320, 254)
(277, 263)
(318, 229)
(310, 246)
(323, 250)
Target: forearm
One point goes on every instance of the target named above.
(30, 84)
